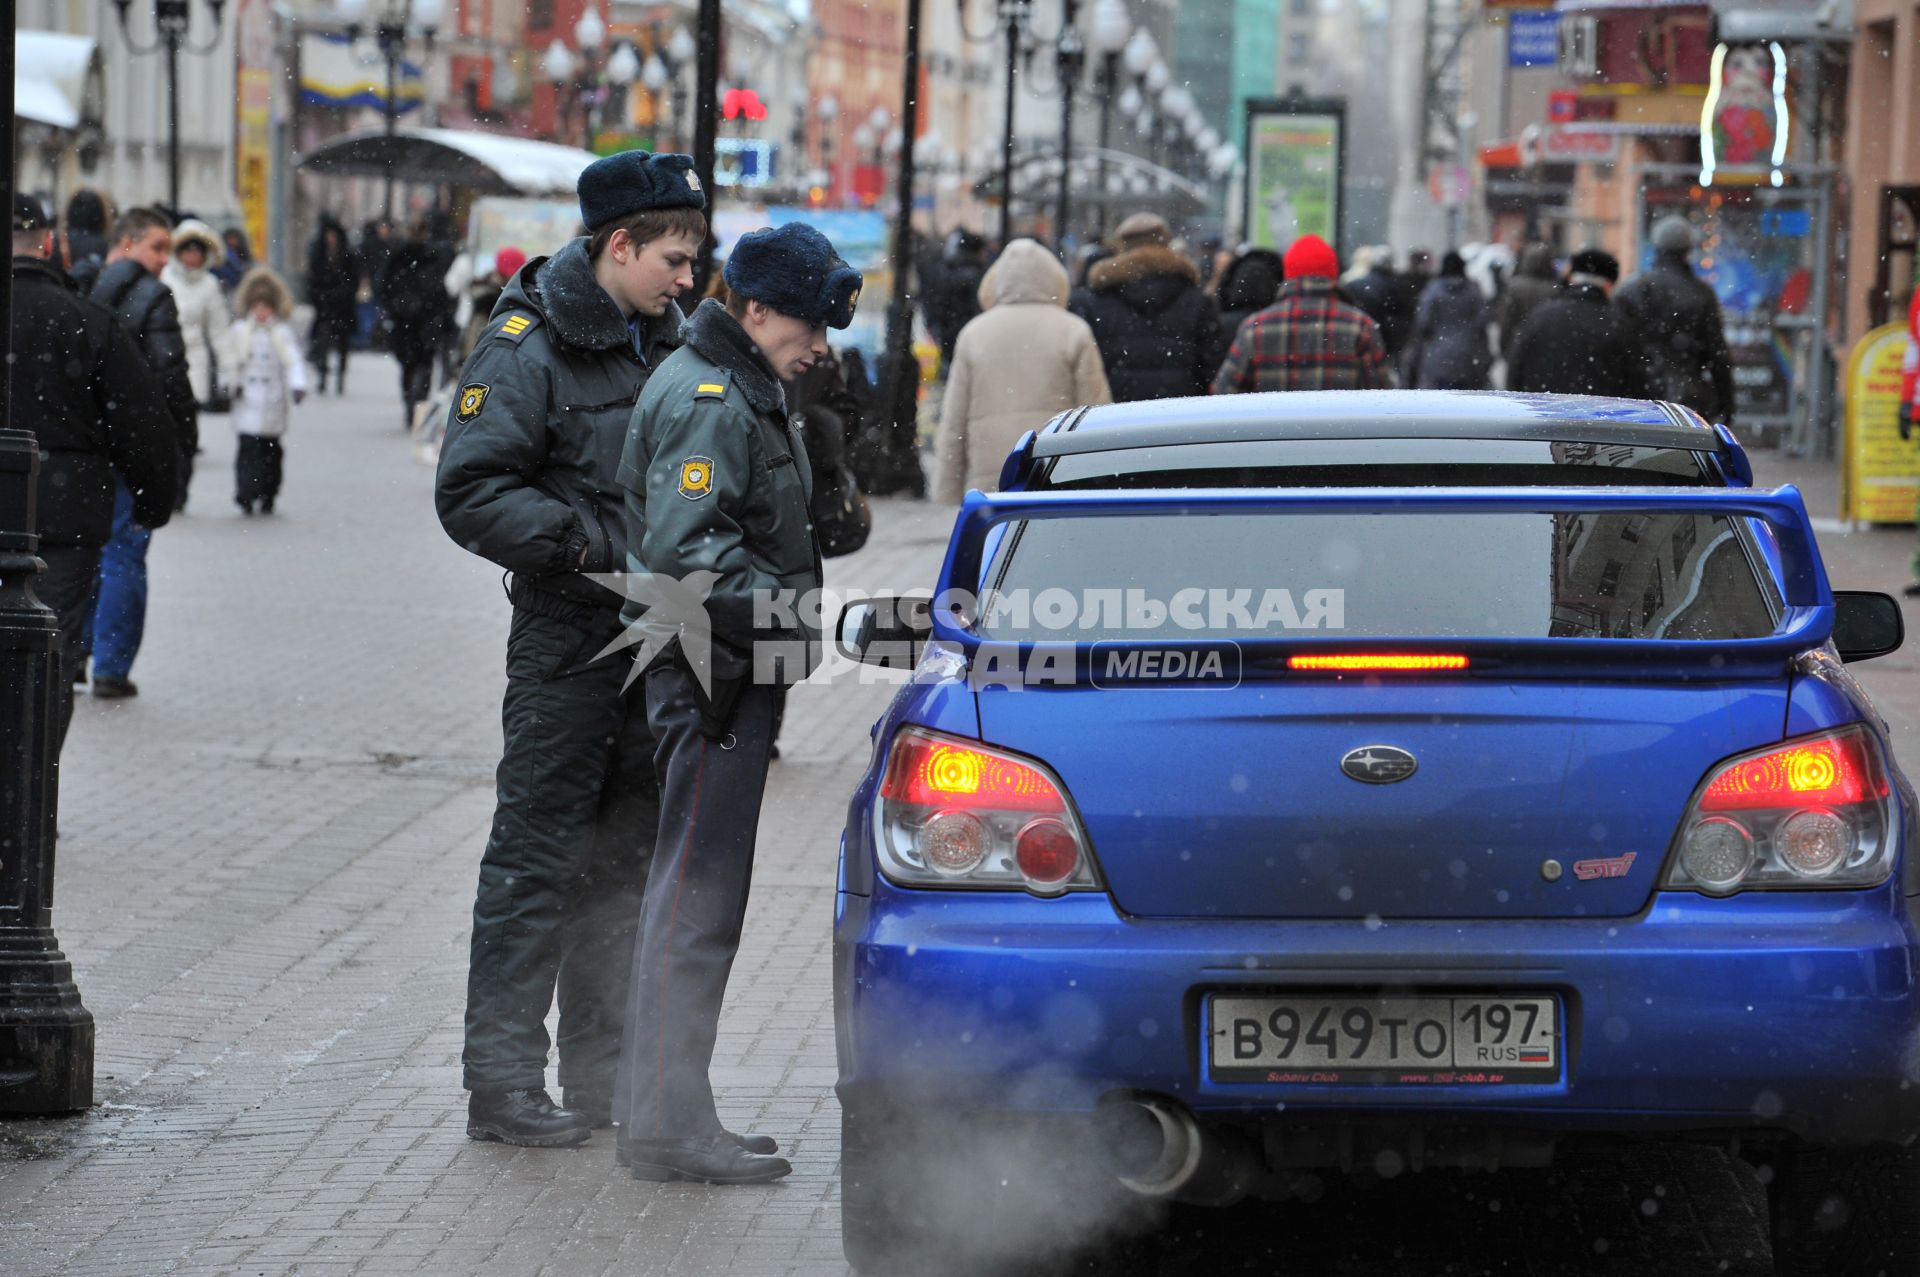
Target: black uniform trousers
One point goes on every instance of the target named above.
(560, 884)
(696, 902)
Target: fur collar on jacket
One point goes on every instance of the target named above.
(583, 316)
(719, 338)
(1140, 263)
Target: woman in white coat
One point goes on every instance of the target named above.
(269, 376)
(200, 299)
(1019, 362)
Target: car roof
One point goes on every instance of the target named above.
(1375, 414)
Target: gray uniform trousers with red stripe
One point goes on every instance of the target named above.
(696, 902)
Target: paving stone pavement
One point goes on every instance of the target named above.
(265, 883)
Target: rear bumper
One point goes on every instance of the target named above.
(1796, 1014)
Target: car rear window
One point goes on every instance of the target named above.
(1626, 576)
(1397, 463)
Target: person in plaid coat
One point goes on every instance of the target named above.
(1310, 338)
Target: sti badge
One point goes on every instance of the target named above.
(473, 396)
(696, 477)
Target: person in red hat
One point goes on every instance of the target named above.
(1310, 338)
(483, 293)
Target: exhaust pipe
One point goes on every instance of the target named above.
(1156, 1148)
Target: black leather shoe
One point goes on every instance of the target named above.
(763, 1144)
(529, 1119)
(107, 687)
(710, 1161)
(595, 1106)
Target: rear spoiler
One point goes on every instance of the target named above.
(1807, 622)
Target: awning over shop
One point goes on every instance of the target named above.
(486, 163)
(50, 77)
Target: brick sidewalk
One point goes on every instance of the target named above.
(266, 878)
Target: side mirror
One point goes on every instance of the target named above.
(888, 631)
(1867, 624)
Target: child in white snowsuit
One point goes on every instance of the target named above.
(269, 376)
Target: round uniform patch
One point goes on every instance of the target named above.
(696, 477)
(473, 396)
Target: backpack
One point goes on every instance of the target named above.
(841, 517)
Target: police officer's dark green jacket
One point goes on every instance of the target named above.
(528, 468)
(717, 480)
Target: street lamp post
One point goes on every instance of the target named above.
(1112, 35)
(1069, 59)
(829, 112)
(1014, 14)
(663, 70)
(590, 89)
(46, 1033)
(398, 20)
(171, 19)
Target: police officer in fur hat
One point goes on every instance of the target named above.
(526, 480)
(717, 487)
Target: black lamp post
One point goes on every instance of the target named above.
(1069, 60)
(1113, 36)
(901, 371)
(46, 1034)
(663, 71)
(171, 19)
(397, 20)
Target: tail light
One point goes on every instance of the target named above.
(1813, 812)
(955, 813)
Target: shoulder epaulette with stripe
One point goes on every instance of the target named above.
(516, 326)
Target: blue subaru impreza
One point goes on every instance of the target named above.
(1374, 781)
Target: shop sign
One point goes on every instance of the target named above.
(1880, 471)
(1533, 38)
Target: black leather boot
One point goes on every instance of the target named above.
(529, 1119)
(717, 1160)
(594, 1105)
(763, 1144)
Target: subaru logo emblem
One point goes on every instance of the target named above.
(1378, 764)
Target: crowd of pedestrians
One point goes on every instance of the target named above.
(1265, 321)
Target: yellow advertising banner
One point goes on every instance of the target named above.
(1880, 471)
(254, 68)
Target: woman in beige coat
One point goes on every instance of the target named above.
(1022, 360)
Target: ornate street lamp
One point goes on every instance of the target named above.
(1112, 37)
(664, 68)
(1011, 19)
(585, 84)
(829, 112)
(171, 19)
(398, 19)
(1069, 59)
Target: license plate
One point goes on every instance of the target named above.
(1467, 1038)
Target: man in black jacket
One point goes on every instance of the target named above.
(95, 411)
(1158, 333)
(130, 287)
(1678, 316)
(527, 479)
(1578, 343)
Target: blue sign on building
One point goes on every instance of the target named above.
(1533, 38)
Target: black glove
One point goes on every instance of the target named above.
(1906, 420)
